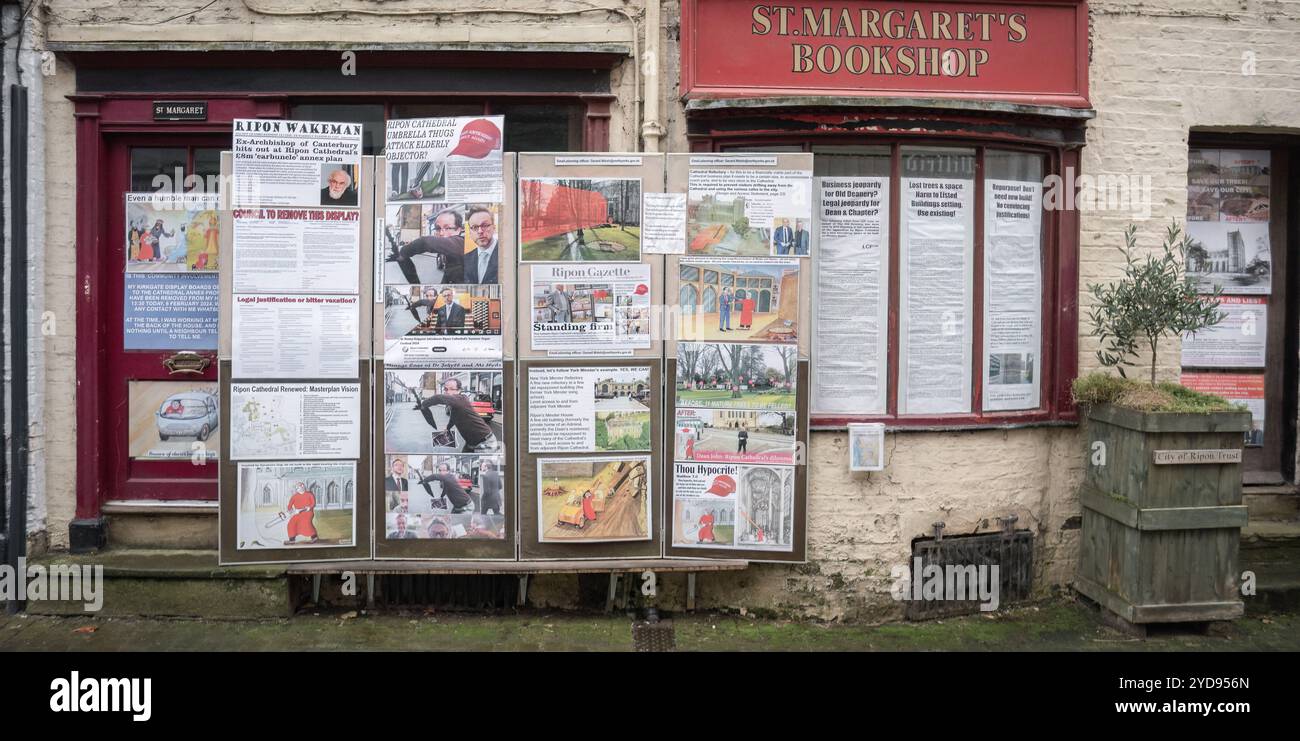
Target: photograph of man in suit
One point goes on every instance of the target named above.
(451, 315)
(490, 481)
(401, 533)
(783, 238)
(560, 304)
(396, 485)
(481, 266)
(801, 237)
(339, 190)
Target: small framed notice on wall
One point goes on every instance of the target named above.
(867, 447)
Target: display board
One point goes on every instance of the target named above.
(443, 346)
(737, 357)
(591, 408)
(293, 345)
(381, 398)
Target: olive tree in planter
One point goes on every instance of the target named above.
(1161, 501)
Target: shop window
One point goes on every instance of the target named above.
(930, 311)
(369, 115)
(435, 110)
(530, 126)
(207, 164)
(156, 168)
(544, 127)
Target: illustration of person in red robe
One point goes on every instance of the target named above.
(690, 448)
(706, 528)
(746, 313)
(589, 506)
(303, 506)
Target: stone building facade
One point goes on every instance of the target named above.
(607, 76)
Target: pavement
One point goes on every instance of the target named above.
(1060, 624)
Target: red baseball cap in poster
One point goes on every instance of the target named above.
(477, 139)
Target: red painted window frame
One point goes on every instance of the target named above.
(1060, 310)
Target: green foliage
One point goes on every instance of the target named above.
(1098, 388)
(1154, 300)
(1103, 388)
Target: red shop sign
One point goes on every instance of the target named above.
(1027, 52)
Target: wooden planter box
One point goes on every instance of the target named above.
(1160, 533)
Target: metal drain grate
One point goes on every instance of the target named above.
(1011, 551)
(650, 637)
(488, 591)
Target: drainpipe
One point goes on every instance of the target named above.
(4, 460)
(652, 64)
(19, 442)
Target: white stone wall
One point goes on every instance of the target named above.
(61, 301)
(1158, 70)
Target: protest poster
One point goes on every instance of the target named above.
(721, 375)
(663, 224)
(296, 505)
(295, 336)
(451, 160)
(748, 213)
(851, 330)
(727, 300)
(172, 420)
(734, 436)
(1234, 256)
(579, 219)
(1239, 388)
(170, 311)
(1012, 294)
(444, 497)
(423, 323)
(296, 163)
(599, 309)
(449, 406)
(594, 500)
(588, 409)
(433, 243)
(732, 506)
(1239, 341)
(172, 232)
(295, 420)
(1228, 206)
(296, 250)
(936, 295)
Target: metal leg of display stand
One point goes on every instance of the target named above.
(315, 589)
(522, 600)
(613, 590)
(690, 591)
(370, 591)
